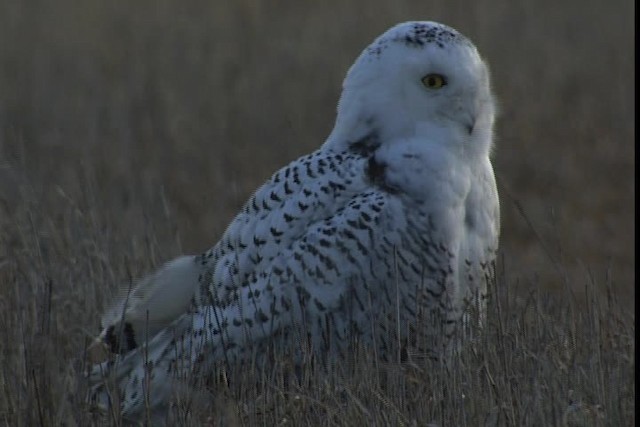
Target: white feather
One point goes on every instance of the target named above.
(395, 218)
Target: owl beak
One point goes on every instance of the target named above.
(470, 122)
(467, 116)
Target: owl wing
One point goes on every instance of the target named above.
(320, 275)
(308, 190)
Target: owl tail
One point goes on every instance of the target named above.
(140, 312)
(141, 382)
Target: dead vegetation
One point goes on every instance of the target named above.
(131, 133)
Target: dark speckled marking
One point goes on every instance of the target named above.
(419, 35)
(113, 340)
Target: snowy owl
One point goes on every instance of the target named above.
(386, 234)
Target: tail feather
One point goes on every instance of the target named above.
(139, 313)
(146, 377)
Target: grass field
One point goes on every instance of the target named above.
(131, 132)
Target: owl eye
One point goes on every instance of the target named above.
(434, 81)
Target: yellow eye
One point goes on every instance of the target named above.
(434, 81)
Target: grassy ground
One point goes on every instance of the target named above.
(131, 132)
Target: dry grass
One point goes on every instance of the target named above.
(131, 132)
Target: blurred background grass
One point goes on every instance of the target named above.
(184, 107)
(132, 131)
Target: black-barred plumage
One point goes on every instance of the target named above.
(383, 235)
